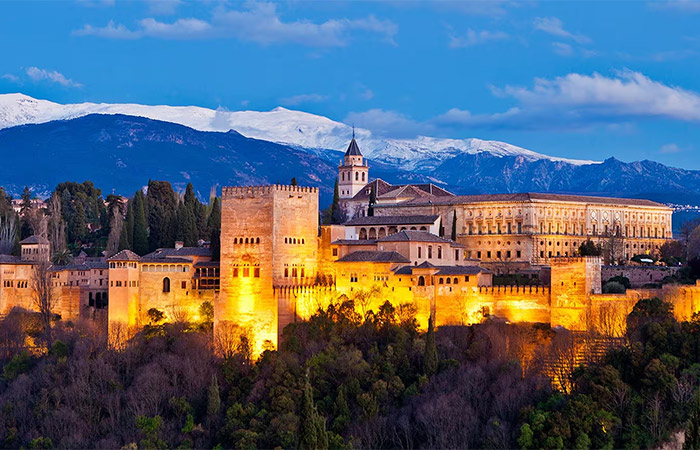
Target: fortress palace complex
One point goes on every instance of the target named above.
(278, 265)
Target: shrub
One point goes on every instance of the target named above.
(622, 280)
(18, 365)
(613, 287)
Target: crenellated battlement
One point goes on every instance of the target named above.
(514, 289)
(575, 259)
(263, 190)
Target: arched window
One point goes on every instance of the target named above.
(363, 176)
(246, 240)
(363, 233)
(455, 281)
(421, 281)
(449, 280)
(166, 284)
(235, 240)
(441, 281)
(257, 240)
(357, 176)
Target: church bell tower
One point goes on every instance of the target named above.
(353, 173)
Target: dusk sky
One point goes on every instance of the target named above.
(580, 80)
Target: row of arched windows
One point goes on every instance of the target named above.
(164, 268)
(241, 240)
(289, 240)
(357, 176)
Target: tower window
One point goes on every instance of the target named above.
(166, 284)
(256, 272)
(357, 176)
(363, 176)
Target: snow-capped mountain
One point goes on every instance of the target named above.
(279, 125)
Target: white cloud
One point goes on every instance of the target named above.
(388, 123)
(53, 76)
(574, 102)
(685, 6)
(257, 22)
(471, 38)
(110, 31)
(367, 94)
(163, 7)
(10, 77)
(303, 98)
(555, 27)
(560, 48)
(670, 148)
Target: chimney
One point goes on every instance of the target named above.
(179, 245)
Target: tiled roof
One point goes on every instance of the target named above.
(386, 190)
(208, 264)
(393, 220)
(179, 252)
(417, 236)
(443, 270)
(35, 240)
(354, 242)
(125, 255)
(173, 260)
(10, 259)
(353, 149)
(373, 256)
(529, 197)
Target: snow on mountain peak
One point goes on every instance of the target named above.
(281, 125)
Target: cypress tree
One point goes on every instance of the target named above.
(430, 360)
(372, 201)
(214, 220)
(187, 225)
(123, 239)
(454, 225)
(294, 181)
(129, 224)
(312, 425)
(213, 398)
(78, 228)
(140, 244)
(336, 216)
(162, 207)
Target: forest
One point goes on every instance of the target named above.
(78, 218)
(340, 380)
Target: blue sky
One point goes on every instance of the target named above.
(573, 79)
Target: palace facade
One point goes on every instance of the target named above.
(278, 265)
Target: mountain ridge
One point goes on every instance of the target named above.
(281, 125)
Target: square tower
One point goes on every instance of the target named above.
(269, 239)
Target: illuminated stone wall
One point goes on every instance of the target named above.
(638, 275)
(269, 237)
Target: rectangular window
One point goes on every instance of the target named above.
(286, 272)
(498, 254)
(456, 255)
(520, 227)
(246, 272)
(478, 254)
(517, 253)
(419, 252)
(542, 254)
(183, 285)
(235, 272)
(335, 252)
(294, 272)
(509, 228)
(430, 252)
(466, 278)
(256, 272)
(488, 254)
(439, 252)
(508, 254)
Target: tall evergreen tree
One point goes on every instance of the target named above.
(294, 181)
(454, 225)
(336, 213)
(25, 227)
(372, 201)
(78, 226)
(312, 425)
(129, 225)
(187, 225)
(161, 206)
(140, 244)
(214, 220)
(430, 360)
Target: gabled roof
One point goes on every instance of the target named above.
(530, 197)
(10, 259)
(385, 190)
(170, 260)
(393, 220)
(374, 256)
(125, 255)
(34, 240)
(353, 149)
(417, 236)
